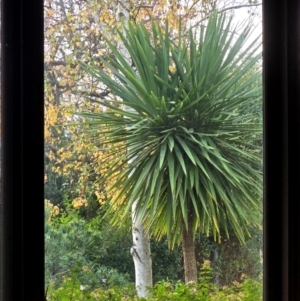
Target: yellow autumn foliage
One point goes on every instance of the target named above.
(52, 209)
(79, 202)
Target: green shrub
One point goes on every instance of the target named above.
(245, 290)
(95, 256)
(73, 247)
(236, 259)
(73, 243)
(230, 260)
(72, 290)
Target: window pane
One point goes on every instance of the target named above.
(197, 164)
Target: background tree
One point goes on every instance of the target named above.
(195, 164)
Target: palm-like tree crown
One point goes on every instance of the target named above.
(184, 124)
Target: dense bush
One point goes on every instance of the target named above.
(166, 263)
(72, 247)
(245, 290)
(236, 259)
(98, 252)
(230, 260)
(73, 243)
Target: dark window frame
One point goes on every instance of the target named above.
(281, 69)
(22, 204)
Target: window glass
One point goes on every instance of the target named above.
(205, 177)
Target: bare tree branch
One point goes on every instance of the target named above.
(225, 9)
(143, 6)
(93, 93)
(124, 7)
(238, 6)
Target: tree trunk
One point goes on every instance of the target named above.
(189, 256)
(141, 254)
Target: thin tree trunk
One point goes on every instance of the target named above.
(141, 254)
(189, 256)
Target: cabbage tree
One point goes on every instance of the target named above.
(179, 113)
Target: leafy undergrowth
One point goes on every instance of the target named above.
(245, 290)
